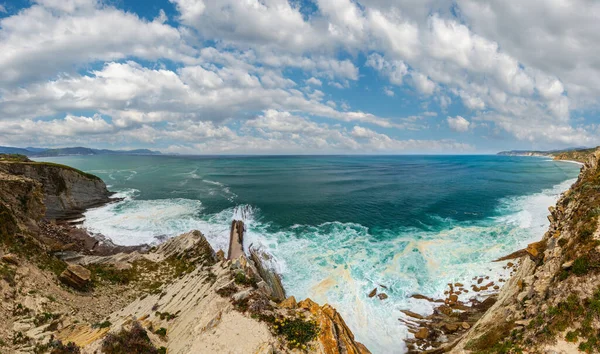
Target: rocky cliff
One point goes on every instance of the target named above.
(552, 302)
(212, 305)
(67, 191)
(180, 297)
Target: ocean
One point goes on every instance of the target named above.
(339, 226)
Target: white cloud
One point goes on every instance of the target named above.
(56, 36)
(314, 81)
(422, 83)
(516, 72)
(394, 70)
(458, 124)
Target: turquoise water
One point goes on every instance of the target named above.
(337, 226)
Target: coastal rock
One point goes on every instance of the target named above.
(236, 240)
(289, 303)
(220, 255)
(334, 337)
(273, 279)
(422, 333)
(76, 276)
(382, 296)
(373, 292)
(412, 314)
(450, 327)
(536, 249)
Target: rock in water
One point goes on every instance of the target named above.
(382, 296)
(236, 239)
(373, 292)
(76, 276)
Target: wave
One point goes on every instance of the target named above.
(340, 263)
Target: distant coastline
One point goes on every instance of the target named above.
(576, 155)
(72, 151)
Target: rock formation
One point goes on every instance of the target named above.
(67, 191)
(179, 297)
(551, 303)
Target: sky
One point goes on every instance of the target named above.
(300, 76)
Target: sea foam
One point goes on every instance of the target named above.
(340, 263)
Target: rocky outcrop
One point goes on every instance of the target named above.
(548, 304)
(76, 276)
(334, 336)
(273, 279)
(236, 239)
(218, 306)
(67, 191)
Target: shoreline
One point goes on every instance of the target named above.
(484, 296)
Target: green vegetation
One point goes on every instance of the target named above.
(24, 245)
(100, 325)
(501, 339)
(133, 341)
(44, 318)
(165, 315)
(8, 274)
(162, 331)
(14, 158)
(110, 274)
(298, 331)
(241, 279)
(57, 347)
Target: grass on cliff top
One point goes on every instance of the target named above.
(52, 164)
(14, 158)
(22, 159)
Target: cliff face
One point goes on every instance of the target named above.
(552, 303)
(67, 191)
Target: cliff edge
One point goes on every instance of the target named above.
(67, 191)
(180, 297)
(552, 303)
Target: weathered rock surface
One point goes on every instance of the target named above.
(334, 337)
(67, 192)
(213, 310)
(76, 276)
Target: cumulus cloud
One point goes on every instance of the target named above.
(212, 65)
(458, 124)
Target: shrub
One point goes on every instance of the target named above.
(297, 331)
(57, 347)
(162, 331)
(580, 266)
(133, 341)
(104, 324)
